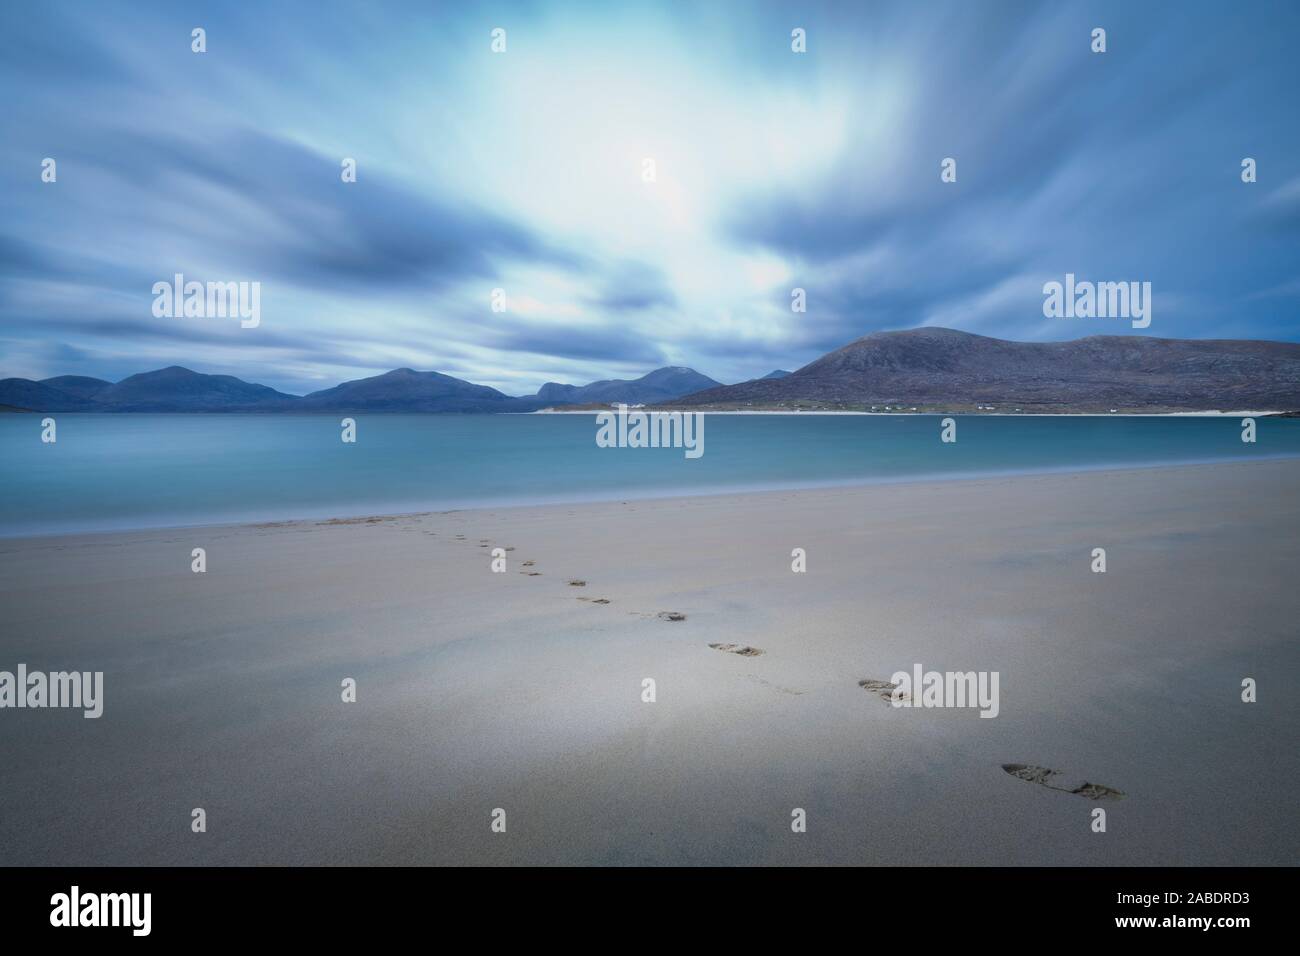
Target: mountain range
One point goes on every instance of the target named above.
(929, 369)
(177, 389)
(661, 385)
(936, 369)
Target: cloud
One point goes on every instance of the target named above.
(522, 171)
(633, 287)
(1066, 160)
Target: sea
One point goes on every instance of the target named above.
(125, 471)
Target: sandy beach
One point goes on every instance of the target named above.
(523, 691)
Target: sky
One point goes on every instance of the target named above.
(524, 171)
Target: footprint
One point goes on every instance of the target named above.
(744, 650)
(1095, 791)
(1052, 780)
(600, 601)
(882, 689)
(532, 574)
(577, 584)
(671, 616)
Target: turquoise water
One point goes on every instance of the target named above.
(133, 471)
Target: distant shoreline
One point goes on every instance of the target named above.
(594, 410)
(926, 370)
(736, 411)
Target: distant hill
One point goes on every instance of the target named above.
(934, 368)
(83, 386)
(931, 369)
(177, 389)
(661, 385)
(173, 389)
(406, 390)
(25, 394)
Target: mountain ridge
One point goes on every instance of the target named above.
(927, 369)
(934, 368)
(179, 389)
(663, 384)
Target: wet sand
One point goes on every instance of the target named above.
(519, 690)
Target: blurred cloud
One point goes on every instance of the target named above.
(523, 171)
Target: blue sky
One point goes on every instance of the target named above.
(523, 171)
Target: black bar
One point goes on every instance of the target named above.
(887, 906)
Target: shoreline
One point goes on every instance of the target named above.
(737, 411)
(596, 410)
(367, 512)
